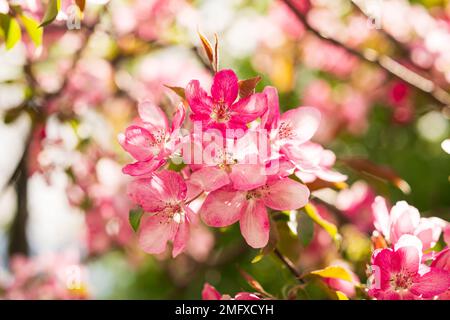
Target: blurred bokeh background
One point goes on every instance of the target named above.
(382, 86)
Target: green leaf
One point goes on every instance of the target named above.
(335, 272)
(51, 12)
(177, 167)
(305, 228)
(11, 30)
(32, 28)
(134, 217)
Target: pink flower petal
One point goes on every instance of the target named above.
(248, 109)
(247, 176)
(246, 296)
(271, 117)
(404, 220)
(181, 238)
(139, 143)
(255, 225)
(178, 117)
(381, 216)
(286, 194)
(154, 233)
(209, 178)
(153, 114)
(432, 283)
(222, 207)
(141, 191)
(171, 184)
(198, 99)
(442, 260)
(304, 122)
(225, 87)
(142, 168)
(210, 293)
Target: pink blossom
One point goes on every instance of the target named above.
(226, 206)
(442, 261)
(211, 293)
(356, 203)
(167, 215)
(219, 110)
(151, 141)
(405, 219)
(229, 161)
(401, 276)
(289, 134)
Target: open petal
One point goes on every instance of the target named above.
(178, 117)
(407, 259)
(198, 99)
(170, 184)
(286, 194)
(303, 121)
(404, 220)
(209, 178)
(247, 176)
(154, 233)
(222, 207)
(432, 283)
(225, 87)
(248, 109)
(210, 293)
(153, 114)
(181, 238)
(138, 142)
(141, 191)
(381, 216)
(143, 168)
(255, 225)
(271, 117)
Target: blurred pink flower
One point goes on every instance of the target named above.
(356, 203)
(210, 293)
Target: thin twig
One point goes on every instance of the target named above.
(290, 265)
(385, 62)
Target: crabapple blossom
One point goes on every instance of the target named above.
(151, 140)
(167, 216)
(220, 110)
(404, 219)
(402, 276)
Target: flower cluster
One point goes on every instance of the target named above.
(241, 156)
(409, 268)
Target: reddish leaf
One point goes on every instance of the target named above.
(247, 86)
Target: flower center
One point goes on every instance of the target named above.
(173, 212)
(285, 131)
(220, 112)
(401, 281)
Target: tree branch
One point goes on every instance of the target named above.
(290, 265)
(384, 62)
